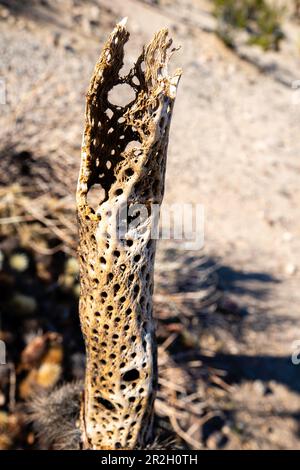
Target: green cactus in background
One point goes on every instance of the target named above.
(261, 20)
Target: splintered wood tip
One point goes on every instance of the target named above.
(123, 22)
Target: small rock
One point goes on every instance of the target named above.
(94, 12)
(290, 269)
(287, 236)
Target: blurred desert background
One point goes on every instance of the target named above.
(228, 314)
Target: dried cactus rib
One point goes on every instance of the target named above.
(124, 155)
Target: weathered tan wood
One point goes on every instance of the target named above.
(124, 151)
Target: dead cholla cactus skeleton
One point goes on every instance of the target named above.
(124, 154)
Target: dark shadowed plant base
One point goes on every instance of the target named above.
(55, 418)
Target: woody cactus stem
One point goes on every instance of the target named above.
(123, 154)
